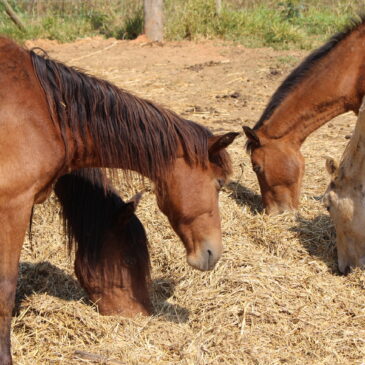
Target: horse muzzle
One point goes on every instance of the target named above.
(206, 256)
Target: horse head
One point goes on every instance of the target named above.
(344, 200)
(188, 196)
(279, 168)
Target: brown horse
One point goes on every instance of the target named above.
(112, 261)
(345, 199)
(329, 82)
(56, 119)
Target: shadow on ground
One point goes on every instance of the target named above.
(318, 237)
(162, 289)
(245, 197)
(44, 277)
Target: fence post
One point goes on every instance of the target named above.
(153, 23)
(218, 5)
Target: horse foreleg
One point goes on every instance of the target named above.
(13, 221)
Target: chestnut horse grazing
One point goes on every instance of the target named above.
(345, 199)
(55, 119)
(327, 83)
(112, 261)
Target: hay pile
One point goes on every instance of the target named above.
(275, 297)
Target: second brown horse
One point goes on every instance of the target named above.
(329, 82)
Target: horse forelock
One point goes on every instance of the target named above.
(89, 209)
(249, 146)
(304, 68)
(123, 127)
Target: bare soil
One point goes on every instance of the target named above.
(275, 297)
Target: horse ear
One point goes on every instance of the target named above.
(125, 213)
(252, 136)
(128, 209)
(331, 165)
(135, 200)
(217, 143)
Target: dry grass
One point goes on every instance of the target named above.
(275, 297)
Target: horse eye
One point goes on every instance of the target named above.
(257, 168)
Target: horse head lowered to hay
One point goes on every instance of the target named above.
(345, 199)
(56, 119)
(112, 260)
(329, 82)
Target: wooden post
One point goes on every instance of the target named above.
(13, 15)
(153, 23)
(218, 5)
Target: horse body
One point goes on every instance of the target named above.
(327, 83)
(345, 199)
(54, 119)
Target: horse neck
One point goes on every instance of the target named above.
(86, 155)
(127, 144)
(331, 87)
(104, 126)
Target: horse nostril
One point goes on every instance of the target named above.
(210, 253)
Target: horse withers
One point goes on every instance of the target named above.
(111, 249)
(345, 199)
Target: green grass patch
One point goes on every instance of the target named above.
(287, 60)
(281, 24)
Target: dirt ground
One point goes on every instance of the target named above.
(274, 298)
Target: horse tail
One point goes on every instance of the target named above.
(90, 208)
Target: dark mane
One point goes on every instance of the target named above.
(89, 212)
(123, 127)
(301, 71)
